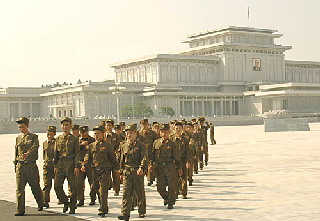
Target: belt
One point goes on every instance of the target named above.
(101, 168)
(27, 162)
(165, 163)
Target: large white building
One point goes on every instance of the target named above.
(228, 71)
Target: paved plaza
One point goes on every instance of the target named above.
(252, 175)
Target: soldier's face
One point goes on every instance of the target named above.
(85, 134)
(145, 126)
(50, 135)
(66, 127)
(117, 131)
(98, 135)
(23, 128)
(178, 130)
(131, 135)
(76, 132)
(109, 126)
(164, 134)
(189, 128)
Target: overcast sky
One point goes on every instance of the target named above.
(45, 41)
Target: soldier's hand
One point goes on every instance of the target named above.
(180, 172)
(188, 165)
(83, 169)
(202, 149)
(84, 143)
(25, 156)
(140, 172)
(76, 171)
(55, 170)
(117, 172)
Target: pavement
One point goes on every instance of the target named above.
(252, 175)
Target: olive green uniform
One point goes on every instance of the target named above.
(213, 141)
(66, 159)
(113, 139)
(82, 175)
(48, 168)
(182, 144)
(198, 139)
(165, 159)
(148, 137)
(193, 152)
(102, 155)
(204, 130)
(27, 170)
(133, 157)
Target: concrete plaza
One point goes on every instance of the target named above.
(252, 175)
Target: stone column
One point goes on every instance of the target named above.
(192, 102)
(19, 107)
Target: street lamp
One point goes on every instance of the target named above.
(117, 91)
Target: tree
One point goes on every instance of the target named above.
(167, 111)
(140, 110)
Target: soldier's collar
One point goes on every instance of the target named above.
(164, 141)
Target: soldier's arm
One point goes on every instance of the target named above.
(144, 157)
(77, 153)
(176, 156)
(113, 159)
(15, 161)
(55, 152)
(87, 157)
(189, 151)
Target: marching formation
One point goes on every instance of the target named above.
(168, 154)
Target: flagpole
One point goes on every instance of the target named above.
(248, 17)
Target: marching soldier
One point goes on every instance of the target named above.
(147, 137)
(118, 132)
(84, 141)
(26, 155)
(190, 136)
(213, 141)
(182, 144)
(67, 165)
(156, 128)
(123, 127)
(204, 129)
(133, 164)
(165, 159)
(199, 138)
(102, 155)
(112, 138)
(48, 166)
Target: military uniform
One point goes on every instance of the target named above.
(213, 141)
(193, 152)
(204, 130)
(26, 169)
(198, 140)
(103, 157)
(165, 159)
(133, 157)
(82, 175)
(113, 139)
(148, 137)
(48, 166)
(66, 159)
(182, 144)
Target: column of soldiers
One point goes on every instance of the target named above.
(117, 154)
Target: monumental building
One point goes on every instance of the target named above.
(228, 71)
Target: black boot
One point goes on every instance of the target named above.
(46, 204)
(123, 217)
(65, 207)
(19, 214)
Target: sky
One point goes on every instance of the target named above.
(43, 42)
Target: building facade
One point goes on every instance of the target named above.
(228, 71)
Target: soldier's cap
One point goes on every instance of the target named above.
(22, 120)
(193, 119)
(210, 124)
(164, 127)
(183, 120)
(179, 123)
(66, 119)
(84, 129)
(132, 127)
(122, 123)
(75, 127)
(144, 121)
(99, 127)
(190, 124)
(110, 121)
(201, 118)
(195, 123)
(117, 126)
(103, 123)
(154, 122)
(52, 129)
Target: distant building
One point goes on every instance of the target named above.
(228, 71)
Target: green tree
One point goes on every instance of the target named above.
(167, 111)
(140, 110)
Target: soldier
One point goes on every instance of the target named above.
(148, 137)
(199, 138)
(213, 141)
(193, 152)
(102, 155)
(84, 141)
(123, 126)
(204, 129)
(164, 159)
(118, 132)
(67, 165)
(133, 164)
(112, 138)
(76, 130)
(26, 155)
(156, 128)
(182, 144)
(48, 166)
